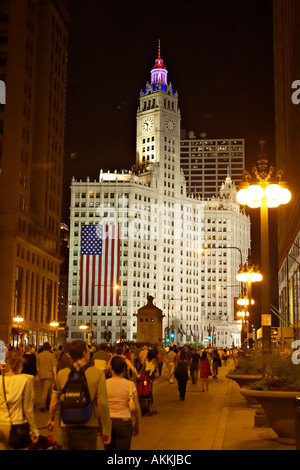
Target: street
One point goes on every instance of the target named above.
(215, 420)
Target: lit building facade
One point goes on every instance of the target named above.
(33, 65)
(162, 229)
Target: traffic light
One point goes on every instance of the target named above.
(172, 335)
(209, 337)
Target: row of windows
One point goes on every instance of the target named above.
(36, 260)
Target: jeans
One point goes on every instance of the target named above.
(121, 434)
(79, 438)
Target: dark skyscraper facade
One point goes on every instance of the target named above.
(287, 121)
(33, 65)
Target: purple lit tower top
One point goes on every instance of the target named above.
(159, 72)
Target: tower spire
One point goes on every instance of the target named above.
(159, 71)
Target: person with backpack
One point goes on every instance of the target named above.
(80, 393)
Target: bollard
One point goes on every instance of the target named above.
(297, 422)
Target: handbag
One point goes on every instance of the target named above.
(19, 435)
(131, 404)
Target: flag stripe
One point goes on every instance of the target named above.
(99, 265)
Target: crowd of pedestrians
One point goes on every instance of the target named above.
(111, 374)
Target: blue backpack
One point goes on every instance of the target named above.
(75, 401)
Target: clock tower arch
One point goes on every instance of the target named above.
(158, 118)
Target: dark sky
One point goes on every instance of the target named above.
(219, 56)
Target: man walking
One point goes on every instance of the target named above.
(46, 373)
(171, 360)
(84, 435)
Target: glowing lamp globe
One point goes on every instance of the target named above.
(255, 194)
(256, 277)
(285, 195)
(242, 197)
(243, 276)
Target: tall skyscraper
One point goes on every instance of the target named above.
(207, 162)
(287, 135)
(162, 230)
(33, 65)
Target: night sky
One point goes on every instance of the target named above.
(219, 57)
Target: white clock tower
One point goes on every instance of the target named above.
(158, 119)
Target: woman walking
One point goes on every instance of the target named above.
(118, 395)
(181, 374)
(15, 396)
(205, 371)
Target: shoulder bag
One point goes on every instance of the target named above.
(131, 404)
(19, 436)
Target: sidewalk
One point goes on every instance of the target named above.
(219, 419)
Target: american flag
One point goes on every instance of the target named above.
(99, 265)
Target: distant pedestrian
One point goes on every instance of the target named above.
(142, 356)
(225, 356)
(118, 393)
(194, 367)
(216, 363)
(181, 374)
(29, 367)
(135, 357)
(160, 361)
(149, 366)
(235, 355)
(101, 357)
(171, 361)
(205, 371)
(46, 373)
(65, 359)
(119, 352)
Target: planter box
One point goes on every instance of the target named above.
(280, 409)
(244, 381)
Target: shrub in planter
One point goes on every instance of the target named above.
(251, 364)
(276, 392)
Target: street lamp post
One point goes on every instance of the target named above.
(55, 325)
(119, 311)
(170, 300)
(18, 320)
(264, 190)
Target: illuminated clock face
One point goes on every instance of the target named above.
(170, 125)
(147, 125)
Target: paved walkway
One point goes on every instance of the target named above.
(219, 419)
